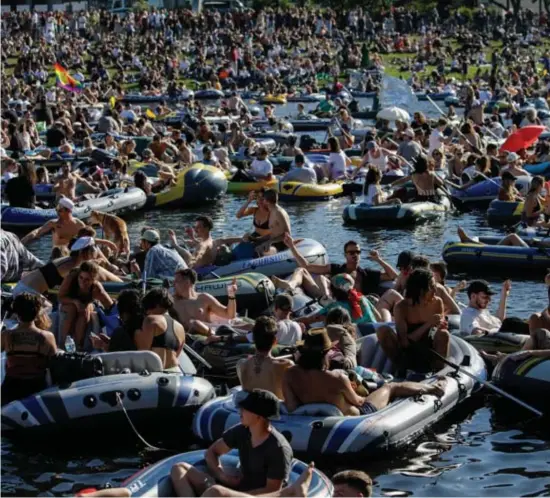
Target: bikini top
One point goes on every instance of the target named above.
(167, 340)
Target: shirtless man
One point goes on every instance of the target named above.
(205, 247)
(262, 371)
(66, 183)
(64, 229)
(309, 381)
(279, 225)
(196, 310)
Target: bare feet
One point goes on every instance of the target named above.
(300, 488)
(462, 235)
(281, 284)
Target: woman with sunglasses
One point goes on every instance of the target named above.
(28, 347)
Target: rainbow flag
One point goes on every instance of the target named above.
(65, 81)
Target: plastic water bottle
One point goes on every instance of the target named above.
(70, 346)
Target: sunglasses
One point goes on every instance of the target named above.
(354, 252)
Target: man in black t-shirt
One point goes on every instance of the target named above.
(264, 453)
(366, 281)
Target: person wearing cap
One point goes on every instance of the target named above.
(160, 261)
(264, 453)
(300, 173)
(52, 273)
(476, 318)
(507, 191)
(409, 148)
(262, 370)
(309, 381)
(63, 229)
(514, 166)
(366, 281)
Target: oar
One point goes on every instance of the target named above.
(485, 383)
(197, 356)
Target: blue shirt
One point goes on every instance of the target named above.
(162, 262)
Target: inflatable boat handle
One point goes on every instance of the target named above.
(466, 362)
(197, 356)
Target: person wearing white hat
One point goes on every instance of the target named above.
(63, 229)
(52, 273)
(514, 166)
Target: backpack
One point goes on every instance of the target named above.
(66, 368)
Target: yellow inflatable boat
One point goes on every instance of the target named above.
(296, 191)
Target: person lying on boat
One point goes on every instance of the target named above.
(52, 273)
(344, 295)
(16, 259)
(537, 345)
(476, 318)
(533, 208)
(300, 173)
(199, 312)
(512, 239)
(165, 180)
(312, 277)
(343, 334)
(264, 453)
(159, 260)
(131, 318)
(28, 347)
(159, 332)
(420, 324)
(374, 195)
(165, 171)
(204, 248)
(309, 381)
(262, 370)
(507, 191)
(77, 296)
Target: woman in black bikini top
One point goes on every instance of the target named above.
(260, 213)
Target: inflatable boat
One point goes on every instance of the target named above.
(273, 99)
(296, 191)
(482, 193)
(154, 481)
(498, 257)
(504, 213)
(133, 381)
(410, 213)
(306, 98)
(280, 264)
(246, 187)
(115, 201)
(441, 96)
(197, 184)
(542, 169)
(322, 429)
(313, 123)
(527, 378)
(209, 94)
(501, 342)
(138, 98)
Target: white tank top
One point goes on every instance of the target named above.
(381, 162)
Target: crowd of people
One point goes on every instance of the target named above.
(275, 51)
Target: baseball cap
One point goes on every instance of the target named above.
(404, 259)
(479, 286)
(150, 236)
(66, 203)
(284, 302)
(83, 243)
(315, 340)
(371, 145)
(260, 402)
(508, 176)
(146, 153)
(512, 157)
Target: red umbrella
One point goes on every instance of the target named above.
(523, 138)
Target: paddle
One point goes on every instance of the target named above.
(485, 383)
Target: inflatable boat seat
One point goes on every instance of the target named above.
(136, 361)
(371, 355)
(318, 410)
